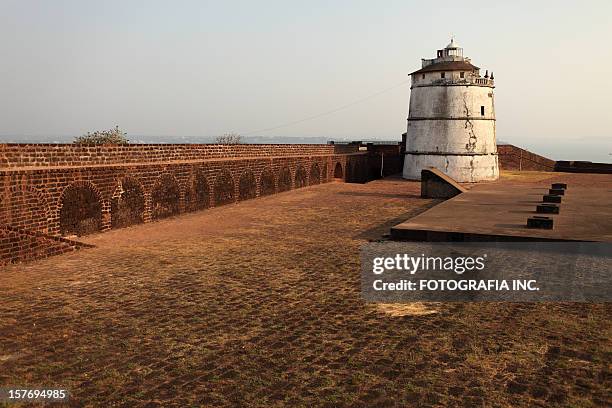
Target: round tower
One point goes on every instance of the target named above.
(451, 119)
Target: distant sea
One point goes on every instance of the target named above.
(569, 150)
(183, 139)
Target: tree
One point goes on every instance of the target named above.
(112, 136)
(229, 138)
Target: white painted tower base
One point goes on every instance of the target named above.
(464, 169)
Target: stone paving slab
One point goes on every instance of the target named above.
(501, 209)
(259, 304)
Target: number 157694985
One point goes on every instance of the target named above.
(15, 394)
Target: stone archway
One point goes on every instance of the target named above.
(247, 185)
(224, 188)
(338, 173)
(315, 174)
(300, 177)
(266, 183)
(165, 197)
(127, 204)
(80, 210)
(197, 194)
(284, 179)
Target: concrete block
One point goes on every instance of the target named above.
(552, 199)
(556, 191)
(540, 222)
(547, 208)
(436, 184)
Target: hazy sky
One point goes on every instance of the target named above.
(199, 67)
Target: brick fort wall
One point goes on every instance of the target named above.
(515, 158)
(68, 190)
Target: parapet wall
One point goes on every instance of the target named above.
(583, 167)
(514, 158)
(47, 155)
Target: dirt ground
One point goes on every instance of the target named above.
(258, 304)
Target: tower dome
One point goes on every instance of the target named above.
(452, 44)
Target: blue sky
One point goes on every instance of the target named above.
(190, 68)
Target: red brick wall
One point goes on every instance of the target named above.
(515, 158)
(45, 155)
(346, 148)
(24, 207)
(49, 191)
(47, 195)
(583, 167)
(17, 245)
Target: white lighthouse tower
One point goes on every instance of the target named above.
(451, 119)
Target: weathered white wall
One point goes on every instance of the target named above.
(451, 136)
(454, 101)
(446, 124)
(471, 168)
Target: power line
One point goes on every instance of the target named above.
(329, 112)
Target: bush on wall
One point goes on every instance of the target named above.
(112, 136)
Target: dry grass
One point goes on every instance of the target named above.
(408, 309)
(259, 304)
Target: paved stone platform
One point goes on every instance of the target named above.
(259, 304)
(499, 210)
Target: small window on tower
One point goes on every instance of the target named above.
(423, 76)
(441, 74)
(462, 75)
(482, 111)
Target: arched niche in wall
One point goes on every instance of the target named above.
(247, 185)
(284, 179)
(338, 174)
(315, 174)
(197, 195)
(266, 182)
(165, 197)
(300, 177)
(224, 188)
(127, 204)
(80, 209)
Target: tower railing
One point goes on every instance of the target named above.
(483, 81)
(458, 81)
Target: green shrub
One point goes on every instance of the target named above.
(112, 136)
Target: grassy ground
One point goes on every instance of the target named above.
(258, 304)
